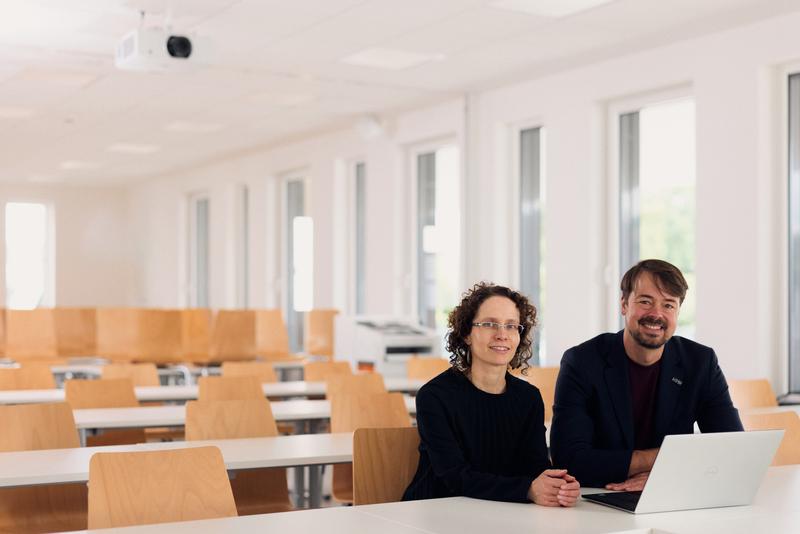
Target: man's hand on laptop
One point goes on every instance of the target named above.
(634, 483)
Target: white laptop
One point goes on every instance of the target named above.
(701, 471)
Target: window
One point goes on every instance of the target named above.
(531, 245)
(657, 192)
(794, 232)
(29, 266)
(299, 265)
(359, 236)
(438, 232)
(198, 251)
(243, 248)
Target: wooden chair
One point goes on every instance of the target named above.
(117, 334)
(789, 449)
(319, 371)
(160, 338)
(195, 334)
(272, 338)
(544, 378)
(141, 374)
(425, 368)
(220, 388)
(105, 393)
(352, 411)
(319, 332)
(384, 463)
(354, 384)
(40, 508)
(29, 376)
(139, 488)
(256, 491)
(263, 371)
(756, 393)
(233, 336)
(31, 334)
(76, 329)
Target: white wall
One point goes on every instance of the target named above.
(93, 254)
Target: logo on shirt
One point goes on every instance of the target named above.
(677, 380)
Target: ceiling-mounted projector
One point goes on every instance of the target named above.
(156, 48)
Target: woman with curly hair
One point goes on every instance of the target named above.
(482, 430)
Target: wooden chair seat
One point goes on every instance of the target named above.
(384, 463)
(139, 488)
(40, 508)
(789, 449)
(256, 491)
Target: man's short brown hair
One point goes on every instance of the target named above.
(668, 278)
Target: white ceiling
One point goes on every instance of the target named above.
(276, 70)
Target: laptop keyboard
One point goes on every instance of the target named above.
(624, 499)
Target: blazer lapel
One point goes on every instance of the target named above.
(616, 377)
(670, 384)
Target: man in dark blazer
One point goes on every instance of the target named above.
(618, 395)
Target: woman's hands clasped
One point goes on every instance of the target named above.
(554, 487)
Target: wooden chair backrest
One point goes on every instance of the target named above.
(272, 338)
(139, 488)
(31, 334)
(46, 508)
(219, 388)
(370, 410)
(229, 419)
(336, 384)
(76, 329)
(141, 374)
(117, 333)
(425, 368)
(384, 462)
(30, 427)
(2, 332)
(160, 336)
(263, 371)
(29, 376)
(319, 334)
(789, 449)
(103, 393)
(195, 334)
(755, 393)
(319, 371)
(544, 378)
(233, 335)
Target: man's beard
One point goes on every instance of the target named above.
(647, 343)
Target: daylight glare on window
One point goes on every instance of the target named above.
(26, 255)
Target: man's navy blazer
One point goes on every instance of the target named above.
(592, 432)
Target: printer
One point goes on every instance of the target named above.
(382, 343)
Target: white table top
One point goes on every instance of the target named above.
(297, 388)
(154, 416)
(26, 468)
(776, 510)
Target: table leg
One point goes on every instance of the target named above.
(300, 487)
(82, 436)
(314, 486)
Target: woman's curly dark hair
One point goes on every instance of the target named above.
(460, 321)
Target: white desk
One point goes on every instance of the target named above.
(297, 388)
(29, 468)
(776, 510)
(155, 416)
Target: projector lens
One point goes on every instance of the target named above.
(179, 46)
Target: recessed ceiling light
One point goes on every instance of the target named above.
(78, 165)
(548, 8)
(15, 113)
(192, 127)
(133, 148)
(389, 59)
